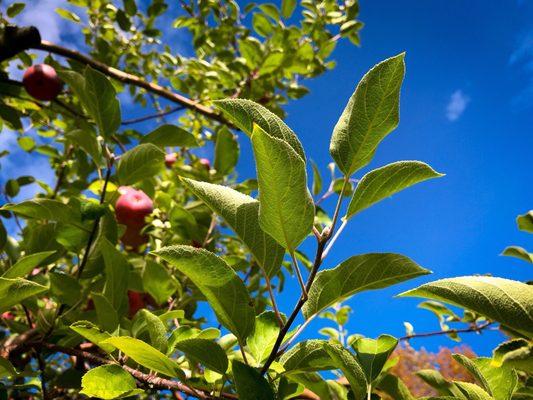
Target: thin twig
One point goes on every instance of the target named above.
(272, 298)
(153, 116)
(62, 171)
(474, 328)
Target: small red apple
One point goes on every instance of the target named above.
(170, 159)
(205, 162)
(131, 209)
(41, 82)
(8, 315)
(135, 302)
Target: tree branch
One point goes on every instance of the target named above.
(131, 79)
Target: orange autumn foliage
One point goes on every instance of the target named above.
(412, 360)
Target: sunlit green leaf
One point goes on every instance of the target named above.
(386, 181)
(108, 382)
(358, 273)
(144, 354)
(371, 114)
(506, 301)
(286, 215)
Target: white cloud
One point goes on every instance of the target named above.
(457, 105)
(41, 13)
(19, 163)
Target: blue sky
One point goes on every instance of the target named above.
(466, 109)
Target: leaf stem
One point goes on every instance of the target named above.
(335, 237)
(273, 299)
(299, 275)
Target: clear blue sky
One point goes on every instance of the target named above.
(466, 109)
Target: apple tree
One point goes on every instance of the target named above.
(106, 272)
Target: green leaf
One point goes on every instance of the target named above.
(371, 114)
(317, 179)
(141, 162)
(117, 270)
(525, 222)
(26, 264)
(320, 355)
(7, 369)
(271, 63)
(386, 181)
(352, 370)
(156, 330)
(502, 381)
(93, 334)
(261, 24)
(358, 273)
(435, 379)
(506, 301)
(245, 113)
(250, 384)
(262, 340)
(68, 15)
(518, 252)
(472, 391)
(144, 354)
(373, 354)
(395, 388)
(108, 382)
(158, 282)
(130, 7)
(206, 352)
(241, 212)
(98, 97)
(65, 287)
(226, 151)
(515, 353)
(47, 209)
(86, 140)
(170, 135)
(14, 291)
(308, 356)
(15, 9)
(286, 208)
(288, 7)
(217, 281)
(105, 312)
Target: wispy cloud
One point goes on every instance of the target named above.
(457, 105)
(522, 59)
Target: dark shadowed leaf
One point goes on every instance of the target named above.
(241, 212)
(217, 281)
(250, 384)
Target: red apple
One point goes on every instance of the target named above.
(131, 209)
(170, 159)
(205, 162)
(41, 82)
(135, 302)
